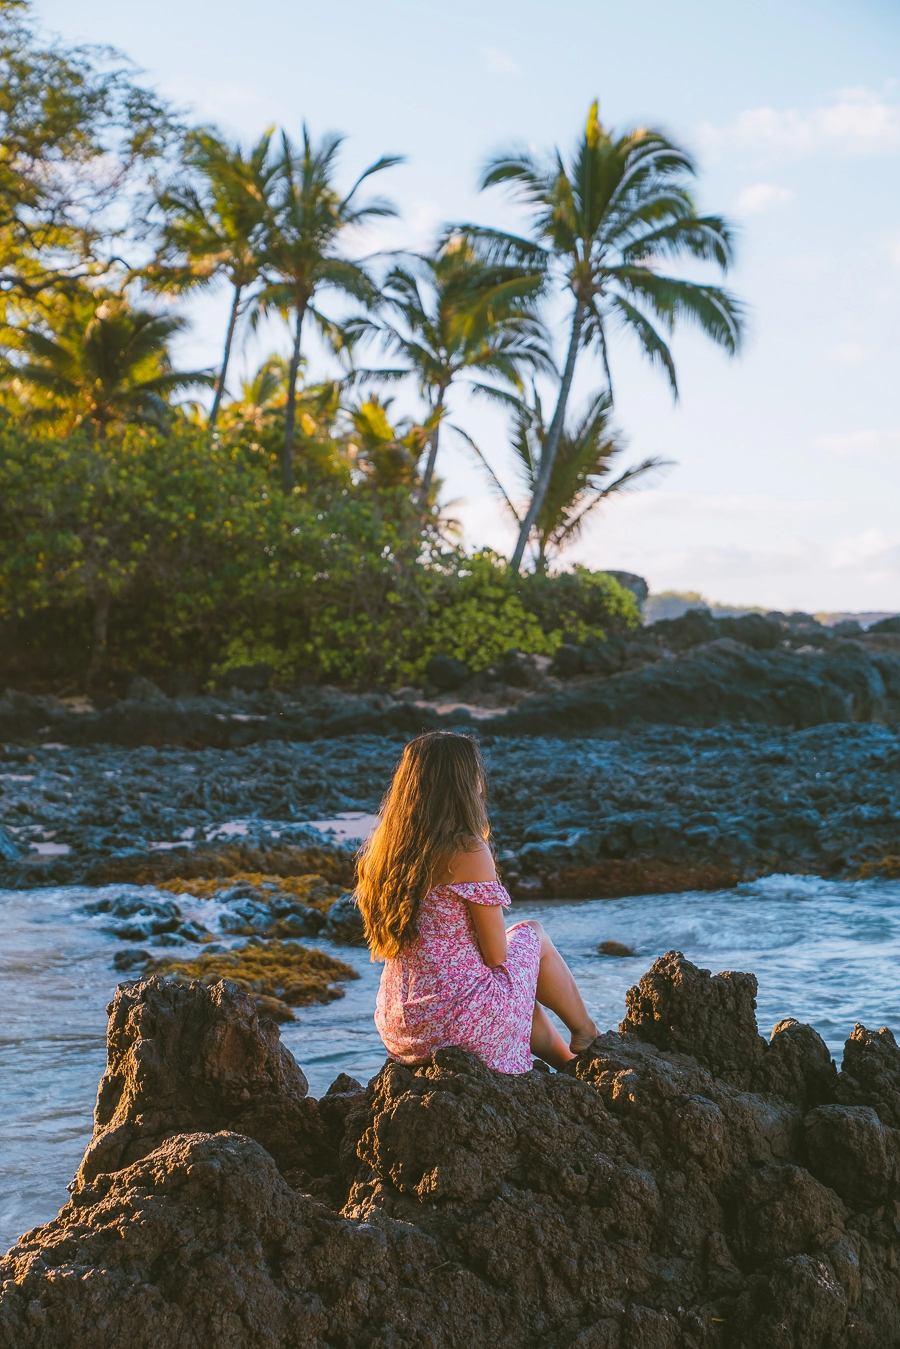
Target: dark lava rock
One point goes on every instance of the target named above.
(637, 1201)
(142, 690)
(871, 1073)
(267, 911)
(299, 921)
(141, 917)
(188, 1057)
(630, 811)
(753, 630)
(181, 684)
(679, 1007)
(636, 584)
(132, 957)
(797, 1066)
(692, 628)
(446, 672)
(569, 660)
(776, 669)
(722, 681)
(615, 948)
(522, 670)
(595, 658)
(344, 922)
(9, 849)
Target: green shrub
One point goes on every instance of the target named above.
(580, 604)
(476, 614)
(205, 566)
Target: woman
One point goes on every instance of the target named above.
(433, 909)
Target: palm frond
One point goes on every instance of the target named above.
(717, 313)
(653, 346)
(497, 484)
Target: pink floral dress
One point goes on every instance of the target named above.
(439, 992)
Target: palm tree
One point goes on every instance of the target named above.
(581, 476)
(301, 257)
(387, 453)
(96, 360)
(216, 228)
(263, 397)
(261, 411)
(605, 223)
(459, 315)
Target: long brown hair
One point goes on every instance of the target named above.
(434, 807)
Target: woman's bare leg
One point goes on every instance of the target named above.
(546, 1041)
(557, 989)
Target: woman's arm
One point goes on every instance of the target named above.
(490, 930)
(477, 864)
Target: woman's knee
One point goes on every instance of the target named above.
(543, 938)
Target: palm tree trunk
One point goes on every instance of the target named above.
(226, 356)
(432, 451)
(551, 444)
(290, 411)
(101, 630)
(541, 562)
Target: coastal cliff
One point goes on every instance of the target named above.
(686, 1184)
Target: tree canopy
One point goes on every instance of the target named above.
(155, 512)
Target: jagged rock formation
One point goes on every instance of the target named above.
(685, 1186)
(724, 681)
(178, 1064)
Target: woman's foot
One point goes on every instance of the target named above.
(583, 1038)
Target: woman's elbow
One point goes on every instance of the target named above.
(495, 960)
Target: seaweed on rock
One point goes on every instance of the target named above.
(313, 890)
(668, 1192)
(277, 975)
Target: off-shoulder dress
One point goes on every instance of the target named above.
(439, 992)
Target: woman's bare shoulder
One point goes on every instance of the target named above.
(472, 864)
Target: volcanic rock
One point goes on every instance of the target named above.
(639, 1200)
(678, 1007)
(721, 681)
(344, 922)
(615, 812)
(183, 1058)
(446, 672)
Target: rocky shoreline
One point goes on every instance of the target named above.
(684, 675)
(652, 810)
(694, 753)
(686, 1185)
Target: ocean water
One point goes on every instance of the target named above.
(827, 952)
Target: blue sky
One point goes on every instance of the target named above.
(786, 488)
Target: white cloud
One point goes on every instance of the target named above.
(873, 552)
(761, 196)
(852, 354)
(859, 442)
(667, 503)
(747, 549)
(222, 101)
(858, 122)
(501, 63)
(415, 230)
